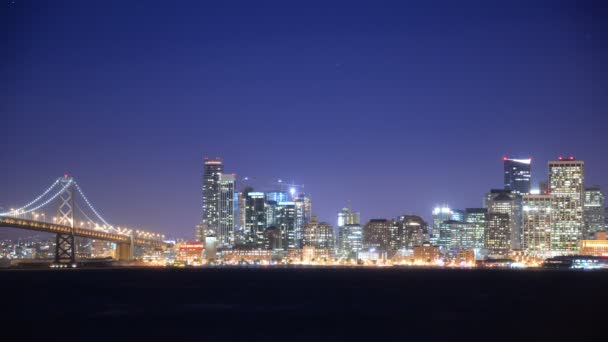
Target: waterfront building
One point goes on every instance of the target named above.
(190, 253)
(594, 211)
(427, 254)
(597, 247)
(566, 185)
(537, 221)
(517, 175)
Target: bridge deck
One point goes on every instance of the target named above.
(76, 231)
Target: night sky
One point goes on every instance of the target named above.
(395, 106)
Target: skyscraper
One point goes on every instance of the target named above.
(594, 211)
(212, 170)
(303, 205)
(226, 210)
(286, 220)
(506, 202)
(476, 219)
(566, 184)
(350, 232)
(517, 175)
(498, 235)
(255, 218)
(440, 214)
(413, 231)
(537, 225)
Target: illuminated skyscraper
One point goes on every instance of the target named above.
(517, 173)
(566, 184)
(318, 234)
(440, 214)
(476, 219)
(286, 220)
(537, 225)
(255, 218)
(594, 211)
(212, 170)
(456, 235)
(457, 215)
(303, 205)
(506, 202)
(498, 235)
(226, 210)
(413, 231)
(350, 232)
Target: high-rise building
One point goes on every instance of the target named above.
(303, 205)
(286, 220)
(413, 231)
(277, 196)
(517, 175)
(212, 170)
(350, 232)
(440, 214)
(506, 202)
(594, 211)
(475, 218)
(456, 236)
(255, 218)
(498, 235)
(457, 215)
(377, 234)
(226, 210)
(566, 185)
(537, 225)
(317, 234)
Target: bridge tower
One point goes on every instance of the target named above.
(65, 247)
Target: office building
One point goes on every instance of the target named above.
(413, 231)
(506, 202)
(566, 185)
(498, 235)
(594, 211)
(212, 170)
(350, 233)
(317, 234)
(303, 205)
(457, 215)
(440, 214)
(377, 234)
(226, 210)
(475, 218)
(537, 220)
(286, 222)
(255, 218)
(517, 175)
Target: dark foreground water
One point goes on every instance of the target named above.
(298, 304)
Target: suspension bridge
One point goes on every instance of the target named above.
(72, 215)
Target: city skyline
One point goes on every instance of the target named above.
(415, 105)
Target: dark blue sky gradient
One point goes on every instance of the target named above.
(393, 105)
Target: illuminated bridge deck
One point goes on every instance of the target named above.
(76, 231)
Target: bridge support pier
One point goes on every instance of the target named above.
(65, 249)
(124, 252)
